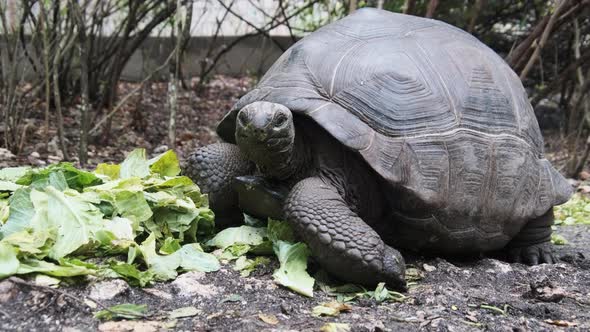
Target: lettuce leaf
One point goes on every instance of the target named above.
(238, 235)
(135, 165)
(9, 263)
(165, 164)
(292, 272)
(75, 178)
(21, 212)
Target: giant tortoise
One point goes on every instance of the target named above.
(388, 132)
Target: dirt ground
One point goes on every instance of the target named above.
(485, 294)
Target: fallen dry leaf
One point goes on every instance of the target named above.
(269, 319)
(563, 323)
(333, 308)
(335, 327)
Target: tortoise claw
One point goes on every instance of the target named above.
(533, 255)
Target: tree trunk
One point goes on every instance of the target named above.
(432, 4)
(578, 118)
(173, 83)
(57, 97)
(352, 6)
(475, 14)
(43, 22)
(84, 100)
(409, 7)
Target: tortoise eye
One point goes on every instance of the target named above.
(243, 117)
(280, 119)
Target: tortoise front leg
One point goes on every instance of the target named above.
(341, 241)
(532, 245)
(214, 168)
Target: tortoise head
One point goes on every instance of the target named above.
(265, 133)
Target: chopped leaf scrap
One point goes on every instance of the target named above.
(183, 312)
(125, 310)
(245, 235)
(292, 272)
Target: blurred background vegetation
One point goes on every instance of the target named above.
(62, 63)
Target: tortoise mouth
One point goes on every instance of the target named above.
(256, 144)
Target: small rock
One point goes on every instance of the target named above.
(106, 290)
(71, 329)
(373, 324)
(286, 308)
(421, 315)
(158, 293)
(54, 159)
(61, 302)
(160, 149)
(7, 291)
(188, 285)
(91, 304)
(6, 154)
(53, 145)
(33, 158)
(134, 326)
(544, 290)
(436, 322)
(584, 175)
(472, 316)
(428, 268)
(497, 266)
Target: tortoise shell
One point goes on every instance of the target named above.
(436, 113)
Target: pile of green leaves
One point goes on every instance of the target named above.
(574, 211)
(139, 220)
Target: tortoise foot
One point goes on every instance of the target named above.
(533, 254)
(394, 268)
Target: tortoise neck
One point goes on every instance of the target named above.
(288, 163)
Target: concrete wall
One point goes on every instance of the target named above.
(253, 55)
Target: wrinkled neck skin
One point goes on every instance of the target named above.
(289, 163)
(281, 154)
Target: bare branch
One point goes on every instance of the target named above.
(560, 6)
(282, 7)
(564, 76)
(261, 31)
